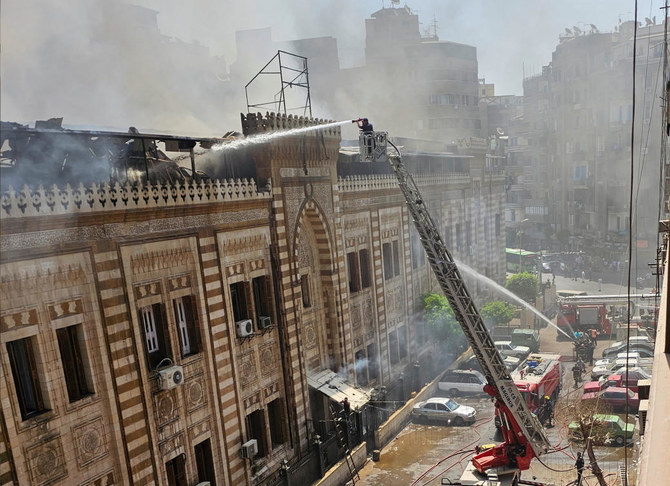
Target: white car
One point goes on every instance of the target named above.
(506, 348)
(461, 382)
(446, 411)
(611, 367)
(606, 361)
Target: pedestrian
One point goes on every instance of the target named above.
(600, 284)
(576, 375)
(594, 336)
(346, 407)
(583, 275)
(579, 464)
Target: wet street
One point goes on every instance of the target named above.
(423, 454)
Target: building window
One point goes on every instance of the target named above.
(361, 368)
(396, 258)
(262, 298)
(156, 339)
(204, 462)
(366, 276)
(238, 299)
(188, 328)
(393, 347)
(176, 471)
(304, 288)
(373, 365)
(276, 418)
(256, 430)
(402, 342)
(497, 223)
(354, 276)
(387, 257)
(69, 344)
(26, 380)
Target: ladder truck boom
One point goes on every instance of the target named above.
(522, 431)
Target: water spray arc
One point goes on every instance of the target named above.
(269, 137)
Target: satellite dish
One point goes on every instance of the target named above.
(500, 131)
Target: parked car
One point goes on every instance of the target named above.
(635, 355)
(635, 345)
(612, 367)
(446, 411)
(615, 398)
(457, 382)
(526, 337)
(511, 363)
(606, 430)
(506, 348)
(630, 380)
(595, 386)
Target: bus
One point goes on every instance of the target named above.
(519, 260)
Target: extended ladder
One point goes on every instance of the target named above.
(466, 313)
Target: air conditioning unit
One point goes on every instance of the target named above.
(244, 328)
(249, 449)
(264, 322)
(168, 378)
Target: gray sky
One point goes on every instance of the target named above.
(76, 58)
(507, 34)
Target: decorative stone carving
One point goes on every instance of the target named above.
(90, 441)
(46, 461)
(310, 336)
(161, 259)
(252, 400)
(165, 406)
(271, 390)
(356, 316)
(235, 269)
(181, 282)
(40, 280)
(247, 372)
(195, 394)
(199, 429)
(244, 244)
(268, 361)
(26, 318)
(65, 309)
(148, 289)
(97, 197)
(172, 444)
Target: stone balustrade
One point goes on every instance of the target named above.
(105, 197)
(378, 182)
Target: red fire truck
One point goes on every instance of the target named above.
(573, 317)
(539, 377)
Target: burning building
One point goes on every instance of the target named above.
(161, 324)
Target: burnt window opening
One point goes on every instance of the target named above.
(238, 299)
(458, 236)
(176, 471)
(304, 288)
(468, 235)
(387, 257)
(497, 225)
(26, 379)
(262, 301)
(278, 433)
(366, 274)
(354, 276)
(70, 344)
(396, 258)
(204, 462)
(188, 327)
(373, 363)
(156, 338)
(393, 347)
(361, 368)
(255, 422)
(402, 342)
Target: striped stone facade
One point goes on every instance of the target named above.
(93, 262)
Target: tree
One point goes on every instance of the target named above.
(498, 312)
(524, 285)
(440, 317)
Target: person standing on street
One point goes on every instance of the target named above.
(579, 464)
